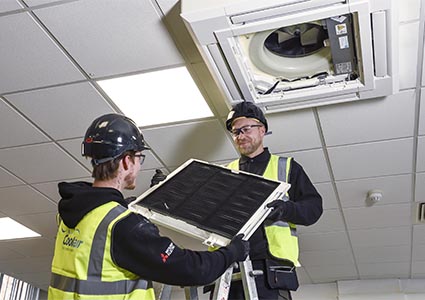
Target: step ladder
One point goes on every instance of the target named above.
(223, 283)
(246, 274)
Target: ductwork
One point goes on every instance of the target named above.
(291, 54)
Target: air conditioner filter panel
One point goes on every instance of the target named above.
(212, 198)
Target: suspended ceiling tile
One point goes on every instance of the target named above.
(418, 269)
(353, 287)
(413, 285)
(8, 5)
(202, 140)
(151, 162)
(74, 148)
(374, 296)
(408, 10)
(23, 200)
(408, 54)
(46, 66)
(313, 163)
(326, 258)
(112, 37)
(423, 68)
(143, 182)
(381, 237)
(7, 179)
(50, 189)
(383, 254)
(28, 263)
(331, 220)
(6, 253)
(38, 279)
(420, 187)
(395, 189)
(39, 2)
(43, 223)
(32, 247)
(421, 130)
(324, 291)
(292, 131)
(418, 234)
(384, 270)
(69, 103)
(369, 120)
(362, 218)
(418, 253)
(372, 159)
(323, 241)
(41, 163)
(420, 163)
(328, 195)
(303, 279)
(23, 131)
(332, 273)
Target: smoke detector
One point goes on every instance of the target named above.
(373, 196)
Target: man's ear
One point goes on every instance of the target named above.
(126, 162)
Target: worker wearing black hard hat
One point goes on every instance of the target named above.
(274, 246)
(105, 251)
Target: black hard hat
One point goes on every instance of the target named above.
(111, 135)
(248, 110)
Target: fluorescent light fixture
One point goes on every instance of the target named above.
(10, 229)
(157, 97)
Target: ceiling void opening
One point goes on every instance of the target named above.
(285, 55)
(303, 55)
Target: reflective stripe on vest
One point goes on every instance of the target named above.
(281, 236)
(94, 286)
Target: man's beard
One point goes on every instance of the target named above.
(248, 147)
(131, 182)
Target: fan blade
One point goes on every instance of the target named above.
(291, 47)
(310, 37)
(283, 36)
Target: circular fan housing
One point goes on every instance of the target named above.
(291, 52)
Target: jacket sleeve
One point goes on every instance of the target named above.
(138, 247)
(305, 204)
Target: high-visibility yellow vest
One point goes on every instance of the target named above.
(82, 266)
(281, 236)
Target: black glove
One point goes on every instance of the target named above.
(278, 209)
(239, 247)
(157, 177)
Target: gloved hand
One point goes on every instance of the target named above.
(278, 209)
(239, 247)
(157, 177)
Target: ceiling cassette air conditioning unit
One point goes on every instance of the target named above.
(291, 54)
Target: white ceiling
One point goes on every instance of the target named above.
(51, 53)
